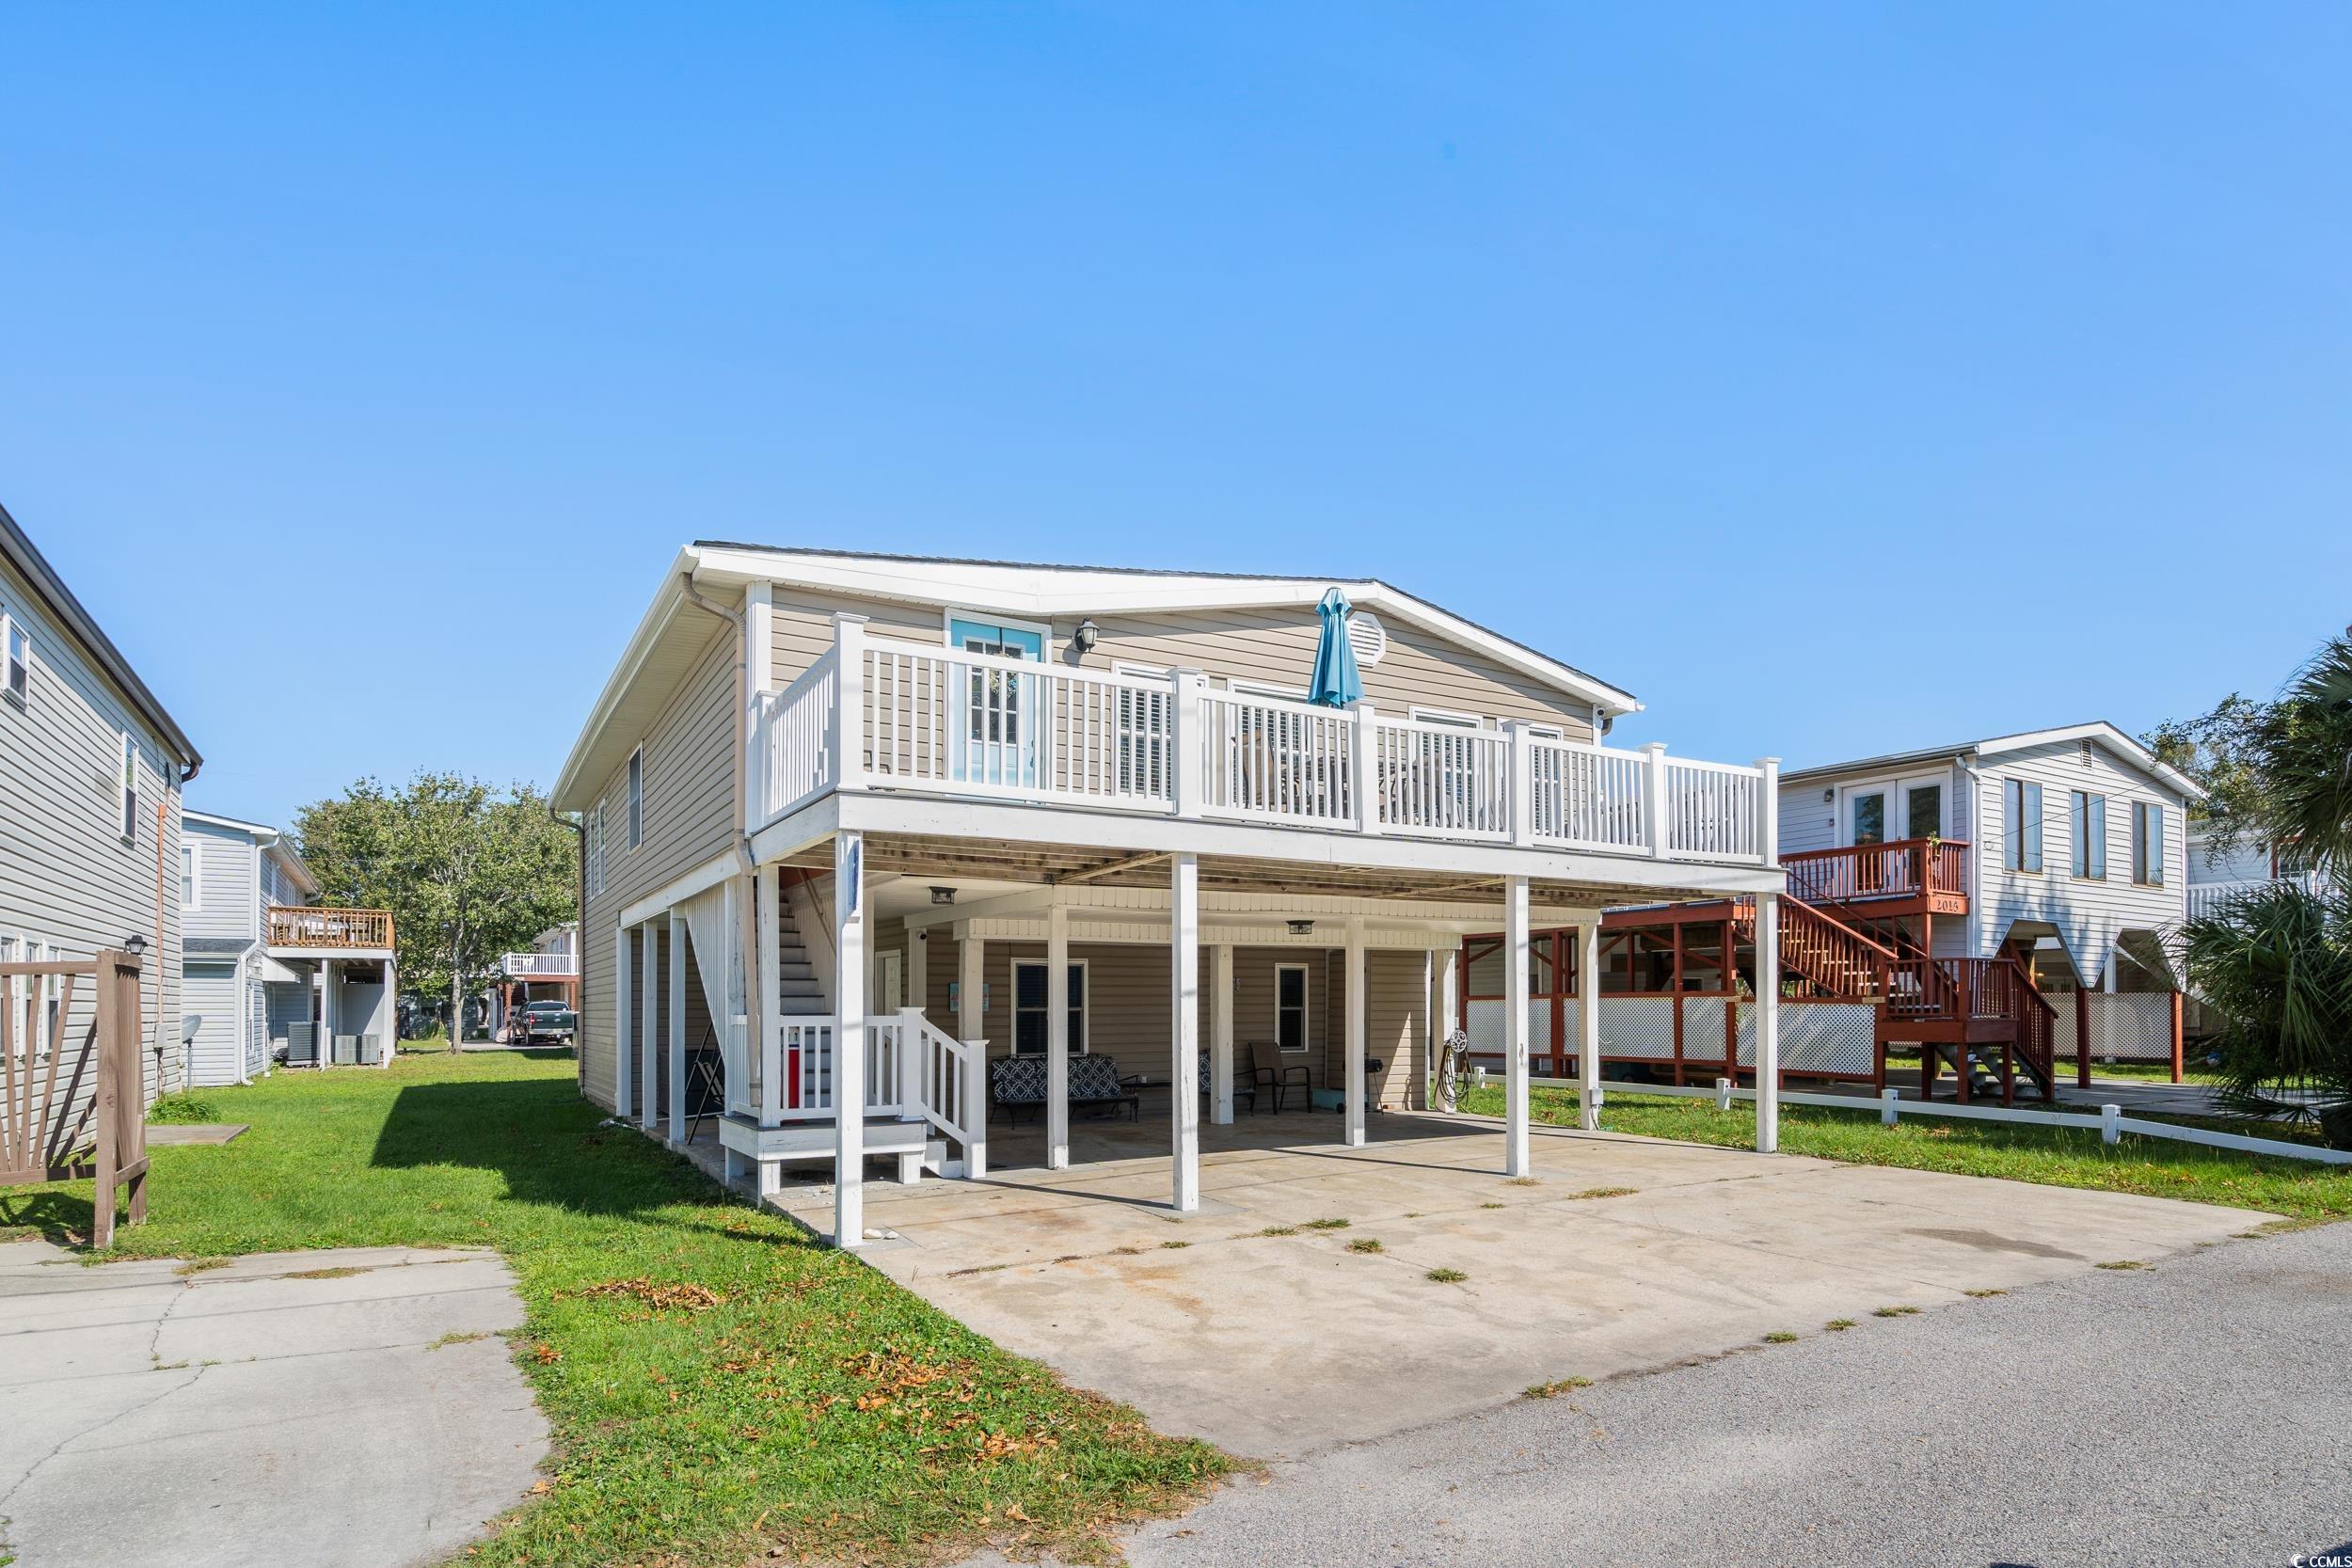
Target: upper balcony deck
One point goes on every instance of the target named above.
(301, 930)
(882, 714)
(1907, 876)
(541, 966)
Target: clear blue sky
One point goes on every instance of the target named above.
(1833, 381)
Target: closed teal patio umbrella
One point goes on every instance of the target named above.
(1336, 682)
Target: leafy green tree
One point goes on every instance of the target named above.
(2276, 963)
(2220, 749)
(468, 873)
(2303, 754)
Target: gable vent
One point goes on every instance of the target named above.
(1367, 636)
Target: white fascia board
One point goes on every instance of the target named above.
(1260, 915)
(261, 833)
(1043, 593)
(667, 601)
(1439, 937)
(2105, 735)
(1138, 833)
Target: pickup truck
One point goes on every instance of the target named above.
(542, 1021)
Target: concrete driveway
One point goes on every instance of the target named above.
(338, 1409)
(1622, 1254)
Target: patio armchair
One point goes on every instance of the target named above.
(1243, 1087)
(1269, 1072)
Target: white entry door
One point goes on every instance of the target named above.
(888, 986)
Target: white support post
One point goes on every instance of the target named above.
(1363, 767)
(970, 1027)
(331, 1015)
(918, 995)
(1184, 937)
(1723, 1094)
(1767, 1023)
(391, 1032)
(1221, 1036)
(848, 1038)
(848, 641)
(1768, 810)
(1514, 1091)
(1057, 1038)
(624, 1021)
(1449, 1006)
(648, 1047)
(677, 1130)
(1588, 1023)
(1359, 1033)
(1654, 824)
(1890, 1106)
(2111, 1124)
(1519, 755)
(1187, 739)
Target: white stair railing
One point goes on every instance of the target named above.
(911, 1070)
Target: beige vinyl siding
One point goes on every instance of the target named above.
(1276, 646)
(689, 819)
(68, 875)
(1128, 1007)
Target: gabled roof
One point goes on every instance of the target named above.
(272, 842)
(2097, 731)
(79, 625)
(1037, 591)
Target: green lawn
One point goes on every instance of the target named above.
(2055, 1156)
(719, 1385)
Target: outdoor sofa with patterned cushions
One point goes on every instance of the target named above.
(1018, 1083)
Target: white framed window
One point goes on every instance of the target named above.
(2020, 802)
(130, 790)
(1030, 1012)
(16, 661)
(1290, 1008)
(637, 797)
(1452, 718)
(594, 872)
(191, 879)
(2089, 812)
(2147, 844)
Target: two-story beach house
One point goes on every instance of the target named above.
(90, 771)
(920, 837)
(269, 974)
(549, 972)
(1986, 903)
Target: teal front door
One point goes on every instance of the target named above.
(994, 710)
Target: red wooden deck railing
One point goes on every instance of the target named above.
(1904, 868)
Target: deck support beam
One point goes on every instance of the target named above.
(623, 1021)
(1768, 1024)
(676, 1106)
(1358, 1032)
(1184, 1099)
(1514, 1087)
(1057, 1036)
(1221, 1036)
(971, 1024)
(848, 1041)
(650, 1027)
(1588, 1023)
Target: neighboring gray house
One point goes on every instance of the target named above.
(249, 1006)
(90, 771)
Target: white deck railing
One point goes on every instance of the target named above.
(2205, 898)
(912, 1071)
(877, 713)
(541, 966)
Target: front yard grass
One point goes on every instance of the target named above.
(2305, 1192)
(719, 1385)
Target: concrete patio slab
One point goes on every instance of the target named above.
(1620, 1254)
(352, 1407)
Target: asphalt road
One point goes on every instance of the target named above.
(2194, 1412)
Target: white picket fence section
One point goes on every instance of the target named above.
(885, 714)
(2111, 1122)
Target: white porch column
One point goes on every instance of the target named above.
(919, 994)
(1183, 939)
(332, 1016)
(624, 1021)
(677, 1130)
(1057, 1038)
(1767, 1023)
(1447, 1004)
(391, 1033)
(970, 1026)
(1359, 1034)
(1588, 1021)
(649, 1010)
(767, 1011)
(1514, 958)
(848, 1038)
(1220, 1035)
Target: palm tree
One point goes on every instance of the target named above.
(2304, 754)
(2276, 964)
